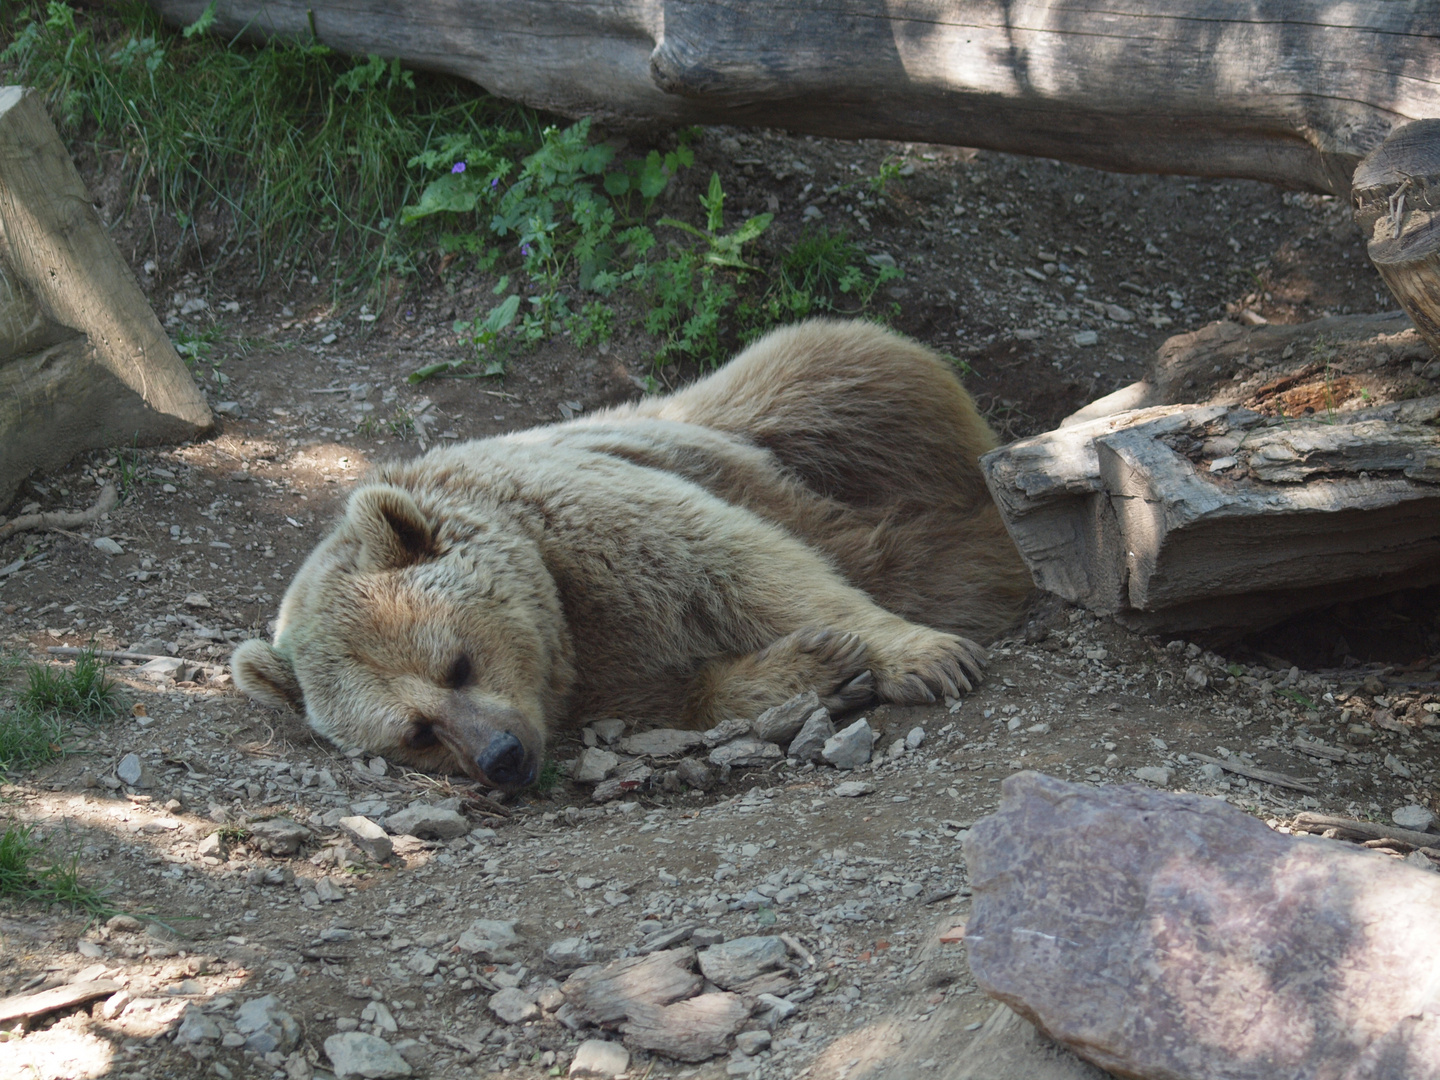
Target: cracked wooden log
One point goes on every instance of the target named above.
(1215, 519)
(1397, 207)
(84, 363)
(1271, 93)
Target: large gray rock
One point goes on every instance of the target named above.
(1174, 936)
(368, 837)
(354, 1053)
(780, 723)
(266, 1025)
(196, 1027)
(850, 747)
(809, 744)
(278, 836)
(595, 765)
(428, 822)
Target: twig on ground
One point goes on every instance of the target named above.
(64, 519)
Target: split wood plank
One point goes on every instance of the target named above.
(1195, 87)
(54, 999)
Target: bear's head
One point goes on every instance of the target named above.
(434, 639)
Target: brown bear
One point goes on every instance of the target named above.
(810, 516)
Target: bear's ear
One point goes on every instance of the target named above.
(265, 674)
(393, 532)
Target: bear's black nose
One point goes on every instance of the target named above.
(503, 762)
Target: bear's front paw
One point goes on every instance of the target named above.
(929, 666)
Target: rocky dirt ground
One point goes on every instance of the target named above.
(259, 928)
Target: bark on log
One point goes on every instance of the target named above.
(1210, 519)
(1397, 206)
(1273, 92)
(84, 363)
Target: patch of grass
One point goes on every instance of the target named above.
(26, 876)
(549, 777)
(33, 732)
(307, 152)
(82, 690)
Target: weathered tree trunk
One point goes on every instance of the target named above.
(1397, 206)
(1293, 92)
(1210, 518)
(84, 363)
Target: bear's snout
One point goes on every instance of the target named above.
(505, 763)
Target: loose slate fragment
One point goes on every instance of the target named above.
(1233, 952)
(781, 723)
(662, 742)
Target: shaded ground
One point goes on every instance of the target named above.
(1009, 264)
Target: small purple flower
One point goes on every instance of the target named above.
(525, 250)
(459, 166)
(495, 183)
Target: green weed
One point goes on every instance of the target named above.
(549, 777)
(83, 690)
(307, 152)
(23, 876)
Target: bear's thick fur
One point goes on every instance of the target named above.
(811, 516)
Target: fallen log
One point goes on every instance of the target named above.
(84, 363)
(53, 1000)
(1234, 951)
(1213, 518)
(1199, 88)
(1351, 829)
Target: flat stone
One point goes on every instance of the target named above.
(1418, 818)
(513, 1005)
(732, 964)
(570, 953)
(609, 730)
(1158, 775)
(162, 667)
(850, 747)
(328, 891)
(695, 774)
(369, 837)
(1242, 953)
(196, 1027)
(129, 770)
(428, 822)
(745, 752)
(599, 1059)
(266, 1025)
(595, 765)
(354, 1053)
(781, 723)
(278, 836)
(213, 846)
(809, 743)
(661, 742)
(915, 738)
(752, 1042)
(853, 789)
(108, 546)
(632, 776)
(492, 940)
(727, 731)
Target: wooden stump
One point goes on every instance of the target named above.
(84, 363)
(1396, 190)
(1215, 519)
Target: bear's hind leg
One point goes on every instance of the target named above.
(833, 663)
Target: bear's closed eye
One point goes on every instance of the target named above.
(421, 736)
(459, 673)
